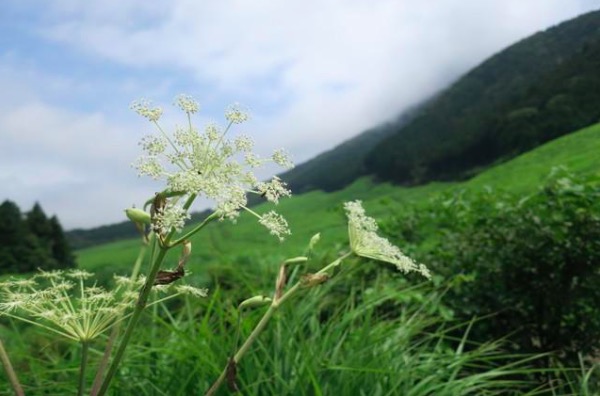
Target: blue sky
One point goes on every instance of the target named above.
(313, 73)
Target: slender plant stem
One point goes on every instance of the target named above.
(135, 317)
(141, 304)
(85, 345)
(117, 327)
(210, 218)
(263, 323)
(10, 372)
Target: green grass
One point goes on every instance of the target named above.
(579, 152)
(225, 243)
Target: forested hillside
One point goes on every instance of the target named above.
(536, 90)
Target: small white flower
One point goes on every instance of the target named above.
(213, 131)
(149, 166)
(236, 114)
(253, 160)
(364, 241)
(281, 158)
(145, 109)
(79, 274)
(276, 224)
(153, 145)
(273, 190)
(187, 103)
(172, 216)
(192, 291)
(243, 143)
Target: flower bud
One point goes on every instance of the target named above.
(296, 260)
(137, 215)
(255, 302)
(313, 241)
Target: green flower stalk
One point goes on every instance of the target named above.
(364, 242)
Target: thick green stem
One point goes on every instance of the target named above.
(85, 345)
(139, 308)
(10, 372)
(263, 323)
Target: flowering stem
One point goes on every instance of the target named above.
(141, 304)
(82, 366)
(10, 372)
(263, 323)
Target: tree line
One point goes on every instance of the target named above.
(31, 241)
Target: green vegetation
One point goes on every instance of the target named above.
(31, 241)
(529, 261)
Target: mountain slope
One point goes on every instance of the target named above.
(536, 90)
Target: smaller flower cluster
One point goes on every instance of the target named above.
(364, 241)
(59, 301)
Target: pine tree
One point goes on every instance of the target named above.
(61, 251)
(40, 226)
(12, 234)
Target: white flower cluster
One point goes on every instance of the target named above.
(210, 165)
(64, 306)
(364, 241)
(60, 301)
(276, 224)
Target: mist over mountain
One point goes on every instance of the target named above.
(538, 89)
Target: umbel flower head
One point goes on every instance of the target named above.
(60, 302)
(364, 241)
(208, 163)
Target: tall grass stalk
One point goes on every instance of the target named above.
(10, 372)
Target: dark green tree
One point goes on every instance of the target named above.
(61, 251)
(31, 242)
(12, 233)
(38, 224)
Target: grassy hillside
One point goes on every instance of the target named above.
(317, 211)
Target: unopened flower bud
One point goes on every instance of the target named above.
(313, 241)
(255, 302)
(138, 215)
(296, 260)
